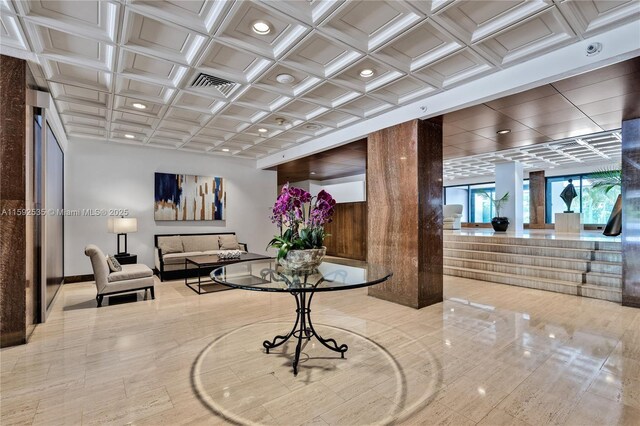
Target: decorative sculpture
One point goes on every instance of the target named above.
(568, 194)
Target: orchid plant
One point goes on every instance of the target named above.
(304, 218)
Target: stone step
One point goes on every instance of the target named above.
(605, 293)
(556, 252)
(586, 290)
(613, 268)
(604, 280)
(501, 278)
(607, 256)
(550, 262)
(556, 274)
(538, 242)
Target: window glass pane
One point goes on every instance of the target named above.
(481, 208)
(459, 195)
(596, 205)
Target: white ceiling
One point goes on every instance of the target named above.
(98, 58)
(597, 148)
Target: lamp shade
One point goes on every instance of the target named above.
(122, 225)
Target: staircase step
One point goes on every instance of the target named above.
(607, 256)
(537, 242)
(604, 293)
(501, 278)
(585, 290)
(614, 268)
(556, 274)
(605, 280)
(545, 261)
(567, 253)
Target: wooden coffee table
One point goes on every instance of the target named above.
(204, 264)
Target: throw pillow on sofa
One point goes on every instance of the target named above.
(171, 244)
(229, 242)
(113, 263)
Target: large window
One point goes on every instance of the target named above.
(593, 204)
(475, 207)
(482, 210)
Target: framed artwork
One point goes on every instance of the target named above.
(189, 197)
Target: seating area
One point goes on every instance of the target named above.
(129, 279)
(171, 251)
(328, 213)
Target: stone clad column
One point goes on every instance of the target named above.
(537, 200)
(404, 198)
(509, 179)
(631, 212)
(12, 196)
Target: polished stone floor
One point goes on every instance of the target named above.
(490, 354)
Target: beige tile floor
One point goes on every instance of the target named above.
(490, 354)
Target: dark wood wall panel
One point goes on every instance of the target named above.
(348, 231)
(630, 212)
(404, 198)
(537, 200)
(12, 196)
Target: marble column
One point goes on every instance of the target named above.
(509, 179)
(404, 198)
(631, 212)
(12, 198)
(537, 200)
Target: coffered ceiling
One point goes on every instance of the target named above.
(103, 60)
(594, 149)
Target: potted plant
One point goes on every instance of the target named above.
(606, 180)
(300, 245)
(499, 223)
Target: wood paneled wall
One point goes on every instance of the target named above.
(404, 197)
(630, 212)
(348, 231)
(537, 185)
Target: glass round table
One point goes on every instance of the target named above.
(267, 275)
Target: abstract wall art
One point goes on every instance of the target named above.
(189, 197)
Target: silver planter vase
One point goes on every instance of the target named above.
(303, 261)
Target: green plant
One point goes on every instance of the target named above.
(607, 179)
(498, 203)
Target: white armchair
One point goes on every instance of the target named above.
(131, 278)
(452, 214)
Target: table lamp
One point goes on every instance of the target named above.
(122, 226)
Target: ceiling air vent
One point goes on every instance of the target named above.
(210, 81)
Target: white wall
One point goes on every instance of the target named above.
(113, 176)
(345, 190)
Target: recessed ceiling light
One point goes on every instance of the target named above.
(366, 73)
(503, 131)
(129, 136)
(285, 78)
(225, 149)
(312, 173)
(139, 105)
(403, 158)
(313, 126)
(261, 27)
(262, 130)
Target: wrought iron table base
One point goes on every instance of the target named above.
(303, 330)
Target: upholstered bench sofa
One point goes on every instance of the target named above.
(171, 250)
